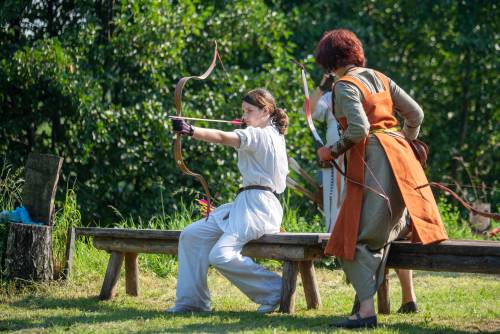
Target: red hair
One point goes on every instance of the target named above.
(338, 48)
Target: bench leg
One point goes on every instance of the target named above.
(131, 274)
(383, 299)
(290, 271)
(109, 285)
(310, 284)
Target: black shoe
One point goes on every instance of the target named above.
(410, 307)
(368, 322)
(355, 306)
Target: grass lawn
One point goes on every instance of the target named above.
(451, 303)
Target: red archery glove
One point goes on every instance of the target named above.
(325, 154)
(182, 127)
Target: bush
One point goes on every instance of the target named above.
(456, 227)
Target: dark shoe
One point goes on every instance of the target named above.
(355, 306)
(410, 307)
(183, 309)
(368, 322)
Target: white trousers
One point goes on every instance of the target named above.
(203, 243)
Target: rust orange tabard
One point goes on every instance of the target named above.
(426, 222)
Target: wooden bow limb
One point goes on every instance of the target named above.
(495, 216)
(179, 160)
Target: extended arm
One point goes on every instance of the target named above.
(217, 136)
(183, 128)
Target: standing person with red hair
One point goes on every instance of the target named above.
(382, 170)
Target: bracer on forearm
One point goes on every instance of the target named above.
(341, 147)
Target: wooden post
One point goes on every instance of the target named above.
(109, 285)
(480, 223)
(70, 249)
(42, 174)
(131, 274)
(383, 298)
(29, 253)
(310, 284)
(29, 247)
(290, 270)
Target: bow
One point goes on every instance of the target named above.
(442, 187)
(179, 160)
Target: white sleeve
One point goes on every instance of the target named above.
(250, 138)
(323, 107)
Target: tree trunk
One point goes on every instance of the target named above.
(29, 246)
(29, 253)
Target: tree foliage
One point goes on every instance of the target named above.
(93, 81)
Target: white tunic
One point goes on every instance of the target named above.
(262, 160)
(332, 182)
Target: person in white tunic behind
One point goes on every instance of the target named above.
(256, 210)
(332, 181)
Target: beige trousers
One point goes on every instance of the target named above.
(378, 225)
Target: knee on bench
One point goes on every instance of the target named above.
(189, 236)
(219, 258)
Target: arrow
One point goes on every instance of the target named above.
(233, 122)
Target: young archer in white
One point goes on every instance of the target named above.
(218, 241)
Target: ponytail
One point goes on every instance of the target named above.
(279, 119)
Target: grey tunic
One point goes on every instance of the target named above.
(377, 226)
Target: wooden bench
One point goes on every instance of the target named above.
(297, 251)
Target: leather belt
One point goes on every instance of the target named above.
(256, 187)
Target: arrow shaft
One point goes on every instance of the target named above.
(236, 121)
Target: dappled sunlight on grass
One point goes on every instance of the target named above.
(455, 303)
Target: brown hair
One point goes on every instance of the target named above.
(338, 48)
(261, 98)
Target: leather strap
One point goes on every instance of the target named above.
(256, 186)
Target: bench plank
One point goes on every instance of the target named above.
(303, 239)
(136, 245)
(281, 252)
(450, 247)
(440, 262)
(122, 233)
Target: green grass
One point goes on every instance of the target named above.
(452, 303)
